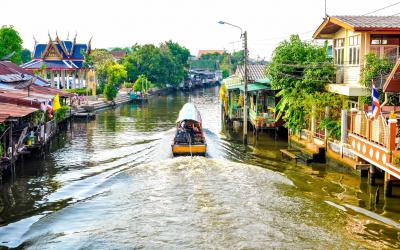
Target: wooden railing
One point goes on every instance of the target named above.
(375, 130)
(360, 122)
(379, 131)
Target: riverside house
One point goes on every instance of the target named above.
(261, 98)
(366, 143)
(353, 37)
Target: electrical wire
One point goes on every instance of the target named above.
(383, 8)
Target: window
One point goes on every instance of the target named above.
(354, 50)
(339, 51)
(379, 41)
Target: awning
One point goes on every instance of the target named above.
(231, 87)
(189, 112)
(255, 87)
(263, 81)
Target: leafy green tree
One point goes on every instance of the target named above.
(100, 59)
(162, 65)
(298, 69)
(110, 91)
(100, 56)
(181, 54)
(145, 59)
(373, 72)
(116, 74)
(126, 49)
(10, 42)
(237, 58)
(26, 55)
(142, 84)
(226, 62)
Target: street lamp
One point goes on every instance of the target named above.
(243, 35)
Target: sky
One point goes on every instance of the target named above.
(193, 24)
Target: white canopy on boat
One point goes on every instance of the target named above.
(189, 112)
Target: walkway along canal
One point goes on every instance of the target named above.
(112, 183)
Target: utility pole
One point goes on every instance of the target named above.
(244, 36)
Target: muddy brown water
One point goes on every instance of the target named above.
(112, 183)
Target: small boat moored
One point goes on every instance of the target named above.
(189, 137)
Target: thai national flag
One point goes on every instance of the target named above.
(50, 108)
(376, 106)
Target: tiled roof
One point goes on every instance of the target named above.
(204, 52)
(254, 72)
(75, 51)
(118, 54)
(362, 22)
(333, 24)
(53, 64)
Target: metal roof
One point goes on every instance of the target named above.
(12, 110)
(254, 72)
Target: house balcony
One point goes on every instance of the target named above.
(376, 141)
(347, 81)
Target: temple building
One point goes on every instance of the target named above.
(60, 62)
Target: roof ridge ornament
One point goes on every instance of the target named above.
(89, 48)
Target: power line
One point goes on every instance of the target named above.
(383, 8)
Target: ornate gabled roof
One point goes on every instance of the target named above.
(64, 49)
(58, 54)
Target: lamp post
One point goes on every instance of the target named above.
(243, 35)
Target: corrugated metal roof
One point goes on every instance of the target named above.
(254, 72)
(10, 72)
(50, 91)
(16, 111)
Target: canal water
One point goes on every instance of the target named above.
(112, 183)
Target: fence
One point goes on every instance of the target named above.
(360, 124)
(375, 130)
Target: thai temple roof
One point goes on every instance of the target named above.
(58, 54)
